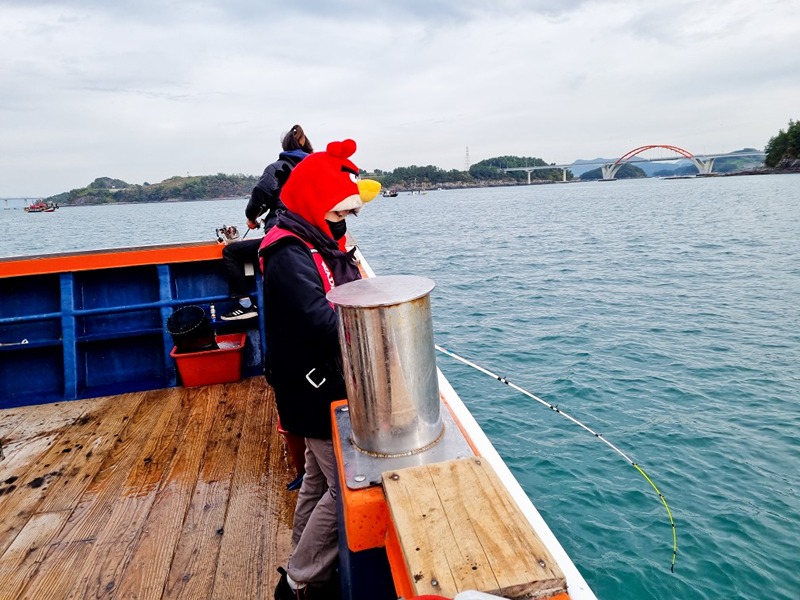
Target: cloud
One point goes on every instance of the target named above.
(146, 90)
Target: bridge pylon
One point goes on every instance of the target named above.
(704, 165)
(609, 172)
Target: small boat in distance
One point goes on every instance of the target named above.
(41, 206)
(389, 194)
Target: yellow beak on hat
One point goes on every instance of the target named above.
(368, 189)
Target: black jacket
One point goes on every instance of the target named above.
(265, 195)
(303, 353)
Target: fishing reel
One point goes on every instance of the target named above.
(227, 234)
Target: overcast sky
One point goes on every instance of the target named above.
(142, 90)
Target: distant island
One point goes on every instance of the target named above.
(782, 155)
(106, 190)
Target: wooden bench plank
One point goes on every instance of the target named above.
(72, 449)
(10, 420)
(65, 566)
(27, 432)
(21, 560)
(21, 455)
(28, 421)
(252, 508)
(194, 564)
(110, 538)
(115, 543)
(149, 566)
(91, 439)
(459, 530)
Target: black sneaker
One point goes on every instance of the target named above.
(327, 591)
(284, 592)
(240, 313)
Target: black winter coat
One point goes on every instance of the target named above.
(265, 195)
(303, 352)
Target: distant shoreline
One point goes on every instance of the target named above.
(413, 190)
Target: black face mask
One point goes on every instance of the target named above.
(338, 229)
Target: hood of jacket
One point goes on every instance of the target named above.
(293, 156)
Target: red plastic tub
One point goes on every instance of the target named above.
(206, 367)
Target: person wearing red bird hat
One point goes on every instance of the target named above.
(302, 258)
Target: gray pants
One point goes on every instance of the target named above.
(315, 533)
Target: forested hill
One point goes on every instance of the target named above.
(105, 190)
(489, 172)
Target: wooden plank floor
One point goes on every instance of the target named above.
(176, 493)
(459, 529)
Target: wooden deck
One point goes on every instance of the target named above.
(176, 493)
(458, 529)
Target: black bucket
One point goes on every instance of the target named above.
(191, 330)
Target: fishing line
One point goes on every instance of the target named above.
(582, 426)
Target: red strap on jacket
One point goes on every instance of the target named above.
(276, 233)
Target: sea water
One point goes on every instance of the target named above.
(663, 314)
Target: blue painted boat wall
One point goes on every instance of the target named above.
(71, 335)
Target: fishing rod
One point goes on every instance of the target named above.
(569, 417)
(257, 222)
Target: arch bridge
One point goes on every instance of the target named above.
(704, 163)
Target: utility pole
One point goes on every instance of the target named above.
(466, 161)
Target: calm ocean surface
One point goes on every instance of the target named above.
(665, 314)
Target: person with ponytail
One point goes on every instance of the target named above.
(264, 202)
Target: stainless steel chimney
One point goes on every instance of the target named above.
(386, 335)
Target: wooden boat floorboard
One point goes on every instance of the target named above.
(173, 493)
(459, 530)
